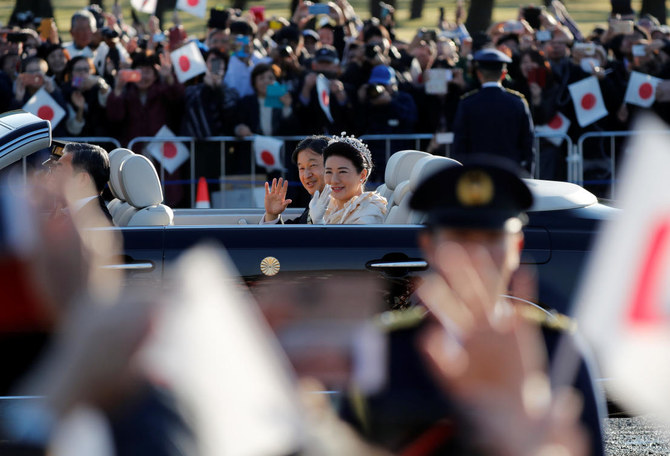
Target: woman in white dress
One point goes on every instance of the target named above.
(348, 164)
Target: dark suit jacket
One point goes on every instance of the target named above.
(494, 121)
(304, 218)
(411, 402)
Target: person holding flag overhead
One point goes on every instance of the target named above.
(38, 93)
(142, 105)
(324, 105)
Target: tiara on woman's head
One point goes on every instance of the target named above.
(353, 141)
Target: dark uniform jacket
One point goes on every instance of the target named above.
(411, 414)
(493, 120)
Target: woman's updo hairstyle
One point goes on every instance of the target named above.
(351, 148)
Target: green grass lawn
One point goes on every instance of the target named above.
(587, 13)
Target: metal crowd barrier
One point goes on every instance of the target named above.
(222, 140)
(574, 163)
(612, 135)
(575, 155)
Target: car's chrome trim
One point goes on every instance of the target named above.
(399, 264)
(129, 266)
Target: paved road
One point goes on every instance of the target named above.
(636, 436)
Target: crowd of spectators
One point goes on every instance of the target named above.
(377, 83)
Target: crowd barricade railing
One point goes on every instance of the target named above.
(222, 140)
(98, 140)
(612, 154)
(573, 161)
(416, 137)
(152, 139)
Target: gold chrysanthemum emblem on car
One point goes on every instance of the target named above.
(270, 266)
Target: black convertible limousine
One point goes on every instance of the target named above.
(561, 227)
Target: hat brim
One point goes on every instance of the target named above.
(484, 219)
(327, 59)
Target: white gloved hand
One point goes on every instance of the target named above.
(318, 205)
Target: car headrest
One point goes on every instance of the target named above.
(399, 166)
(427, 166)
(116, 157)
(140, 182)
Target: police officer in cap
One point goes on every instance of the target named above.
(478, 211)
(492, 119)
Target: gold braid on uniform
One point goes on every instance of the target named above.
(393, 320)
(548, 319)
(467, 94)
(388, 321)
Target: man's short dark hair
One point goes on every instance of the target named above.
(491, 72)
(316, 143)
(91, 159)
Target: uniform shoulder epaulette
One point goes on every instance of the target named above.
(514, 92)
(393, 320)
(548, 319)
(467, 94)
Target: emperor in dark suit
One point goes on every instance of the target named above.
(494, 120)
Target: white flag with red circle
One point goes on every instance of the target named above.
(323, 90)
(194, 7)
(45, 107)
(187, 62)
(267, 151)
(144, 6)
(641, 90)
(558, 125)
(624, 303)
(170, 154)
(588, 101)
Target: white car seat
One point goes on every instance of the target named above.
(116, 158)
(142, 188)
(422, 169)
(398, 169)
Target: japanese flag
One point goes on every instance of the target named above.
(268, 152)
(144, 6)
(588, 101)
(641, 90)
(43, 106)
(323, 91)
(194, 7)
(188, 62)
(624, 303)
(170, 154)
(558, 124)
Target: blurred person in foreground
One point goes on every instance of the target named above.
(473, 360)
(308, 156)
(83, 373)
(81, 174)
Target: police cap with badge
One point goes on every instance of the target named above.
(487, 193)
(491, 59)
